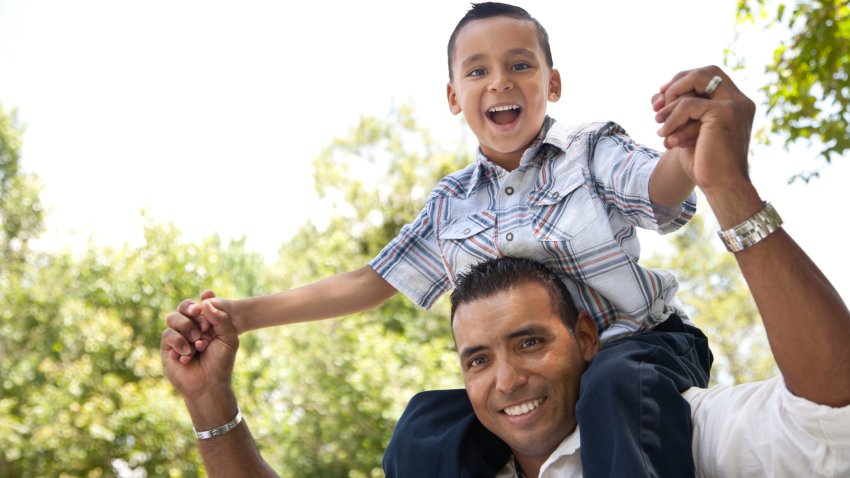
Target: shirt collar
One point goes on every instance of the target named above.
(552, 133)
(567, 448)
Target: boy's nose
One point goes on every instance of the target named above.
(500, 81)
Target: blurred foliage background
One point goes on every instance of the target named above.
(81, 387)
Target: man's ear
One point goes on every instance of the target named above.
(555, 86)
(587, 336)
(454, 104)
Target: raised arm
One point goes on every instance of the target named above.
(205, 385)
(668, 184)
(807, 322)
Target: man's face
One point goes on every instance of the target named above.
(522, 367)
(501, 83)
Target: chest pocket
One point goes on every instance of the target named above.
(562, 210)
(467, 241)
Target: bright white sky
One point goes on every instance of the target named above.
(208, 113)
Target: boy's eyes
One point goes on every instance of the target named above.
(476, 72)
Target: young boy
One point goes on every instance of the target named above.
(567, 198)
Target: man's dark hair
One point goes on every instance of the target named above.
(496, 275)
(480, 11)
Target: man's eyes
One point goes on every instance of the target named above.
(521, 66)
(476, 362)
(530, 342)
(476, 72)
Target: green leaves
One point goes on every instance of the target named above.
(81, 385)
(808, 93)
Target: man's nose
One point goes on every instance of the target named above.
(509, 376)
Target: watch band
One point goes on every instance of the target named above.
(207, 434)
(752, 230)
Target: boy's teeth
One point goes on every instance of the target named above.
(523, 408)
(503, 108)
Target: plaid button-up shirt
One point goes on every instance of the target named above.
(572, 203)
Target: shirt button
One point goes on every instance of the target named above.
(509, 236)
(554, 195)
(509, 190)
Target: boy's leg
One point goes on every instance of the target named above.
(439, 435)
(632, 417)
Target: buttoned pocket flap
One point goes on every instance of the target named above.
(467, 226)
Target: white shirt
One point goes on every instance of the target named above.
(754, 429)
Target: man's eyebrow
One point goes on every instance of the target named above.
(526, 331)
(523, 332)
(472, 350)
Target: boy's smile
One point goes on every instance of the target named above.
(501, 82)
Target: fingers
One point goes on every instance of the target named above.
(675, 117)
(202, 320)
(692, 83)
(174, 345)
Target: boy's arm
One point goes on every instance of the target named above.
(333, 296)
(669, 186)
(807, 322)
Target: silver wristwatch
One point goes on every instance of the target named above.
(752, 230)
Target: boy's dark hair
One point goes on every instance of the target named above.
(480, 11)
(496, 275)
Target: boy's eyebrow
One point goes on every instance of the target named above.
(521, 52)
(512, 52)
(471, 59)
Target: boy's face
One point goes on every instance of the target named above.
(501, 83)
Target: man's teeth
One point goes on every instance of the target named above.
(523, 408)
(496, 109)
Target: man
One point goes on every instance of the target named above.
(808, 325)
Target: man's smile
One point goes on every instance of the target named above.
(523, 408)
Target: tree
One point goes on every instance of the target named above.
(345, 382)
(718, 300)
(82, 391)
(808, 95)
(21, 214)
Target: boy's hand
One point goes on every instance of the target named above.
(209, 372)
(712, 131)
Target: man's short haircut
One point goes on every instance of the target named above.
(480, 11)
(496, 275)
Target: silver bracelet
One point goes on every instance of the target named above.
(207, 434)
(752, 230)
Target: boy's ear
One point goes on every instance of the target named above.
(555, 86)
(587, 336)
(454, 104)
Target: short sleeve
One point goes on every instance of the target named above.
(621, 170)
(412, 263)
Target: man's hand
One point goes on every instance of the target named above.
(711, 132)
(195, 361)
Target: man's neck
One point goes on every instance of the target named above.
(529, 466)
